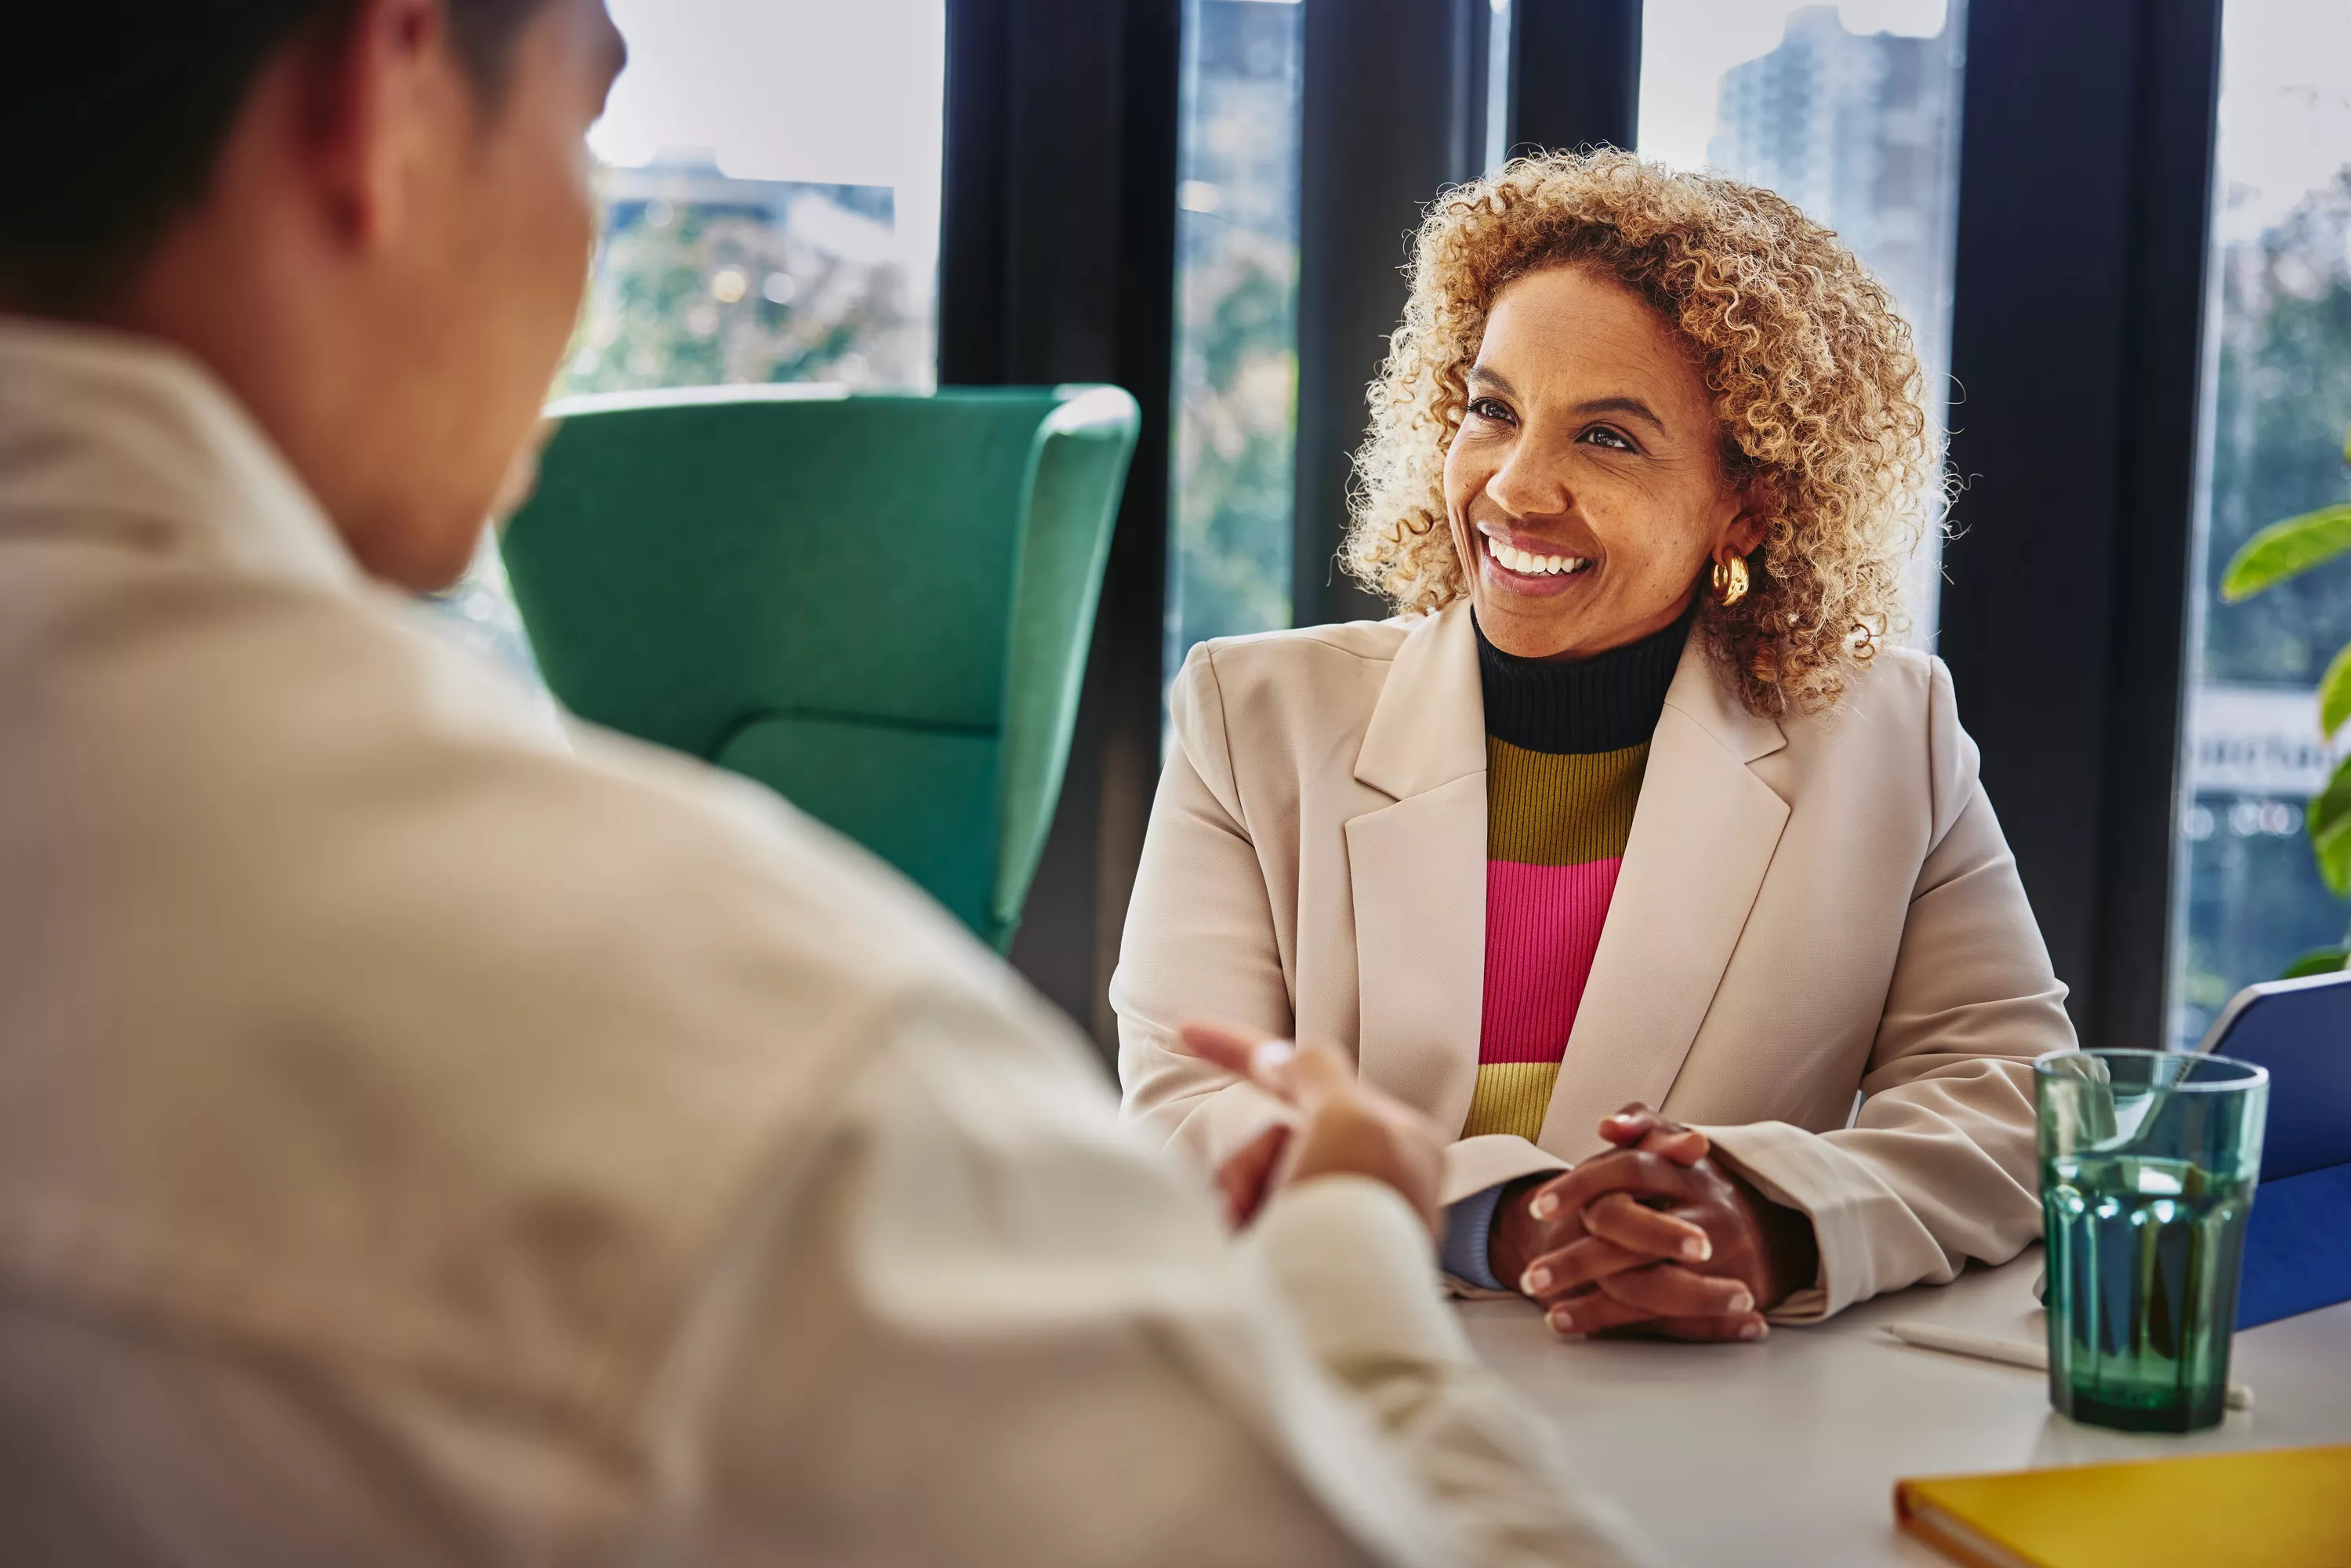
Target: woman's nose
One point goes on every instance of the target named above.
(1530, 485)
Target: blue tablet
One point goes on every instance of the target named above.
(2300, 1030)
(2298, 1239)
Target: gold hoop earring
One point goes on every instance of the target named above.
(1730, 581)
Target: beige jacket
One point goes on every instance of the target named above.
(420, 1145)
(1807, 908)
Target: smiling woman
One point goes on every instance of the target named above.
(1634, 804)
(1746, 385)
(1587, 511)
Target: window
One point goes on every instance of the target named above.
(1851, 112)
(2278, 402)
(771, 177)
(1236, 394)
(769, 172)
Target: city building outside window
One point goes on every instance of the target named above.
(1850, 111)
(770, 172)
(2277, 404)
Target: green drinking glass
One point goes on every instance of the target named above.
(2147, 1165)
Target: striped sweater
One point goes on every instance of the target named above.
(1565, 748)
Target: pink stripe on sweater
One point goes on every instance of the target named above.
(1543, 926)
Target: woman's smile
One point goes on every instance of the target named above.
(1523, 563)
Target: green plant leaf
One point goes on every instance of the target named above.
(2317, 961)
(2287, 549)
(2335, 694)
(2329, 824)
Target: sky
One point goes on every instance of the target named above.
(841, 92)
(2285, 107)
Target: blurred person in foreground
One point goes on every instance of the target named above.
(419, 1143)
(1633, 843)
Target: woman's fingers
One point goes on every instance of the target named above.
(1683, 1145)
(1730, 1326)
(1601, 1314)
(1668, 1290)
(1576, 1266)
(1593, 1313)
(1638, 1127)
(1620, 1217)
(1641, 1174)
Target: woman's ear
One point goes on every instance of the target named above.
(1746, 530)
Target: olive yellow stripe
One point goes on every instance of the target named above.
(1511, 1097)
(1560, 807)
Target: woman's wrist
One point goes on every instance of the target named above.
(1508, 1244)
(1792, 1254)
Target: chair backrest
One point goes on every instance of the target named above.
(878, 605)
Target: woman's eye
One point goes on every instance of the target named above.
(1488, 408)
(1601, 435)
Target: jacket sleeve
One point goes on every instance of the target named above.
(983, 1326)
(1200, 944)
(1938, 1166)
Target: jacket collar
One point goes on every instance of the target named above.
(108, 435)
(1428, 727)
(1703, 692)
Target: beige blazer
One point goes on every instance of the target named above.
(1808, 908)
(423, 1144)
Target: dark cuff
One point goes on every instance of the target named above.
(1468, 1226)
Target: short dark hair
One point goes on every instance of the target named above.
(118, 110)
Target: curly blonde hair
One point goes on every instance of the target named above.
(1811, 369)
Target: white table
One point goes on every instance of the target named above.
(1787, 1451)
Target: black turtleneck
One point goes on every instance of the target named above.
(1605, 703)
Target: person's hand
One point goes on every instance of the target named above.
(1546, 1246)
(1349, 1127)
(1653, 1236)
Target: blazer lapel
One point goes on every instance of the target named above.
(1703, 836)
(1418, 872)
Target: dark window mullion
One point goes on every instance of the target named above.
(1056, 263)
(2074, 350)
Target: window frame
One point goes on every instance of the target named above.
(2065, 605)
(1057, 263)
(2066, 596)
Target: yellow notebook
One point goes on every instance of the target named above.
(2286, 1507)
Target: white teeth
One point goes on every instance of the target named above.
(1529, 565)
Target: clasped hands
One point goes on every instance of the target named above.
(1653, 1236)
